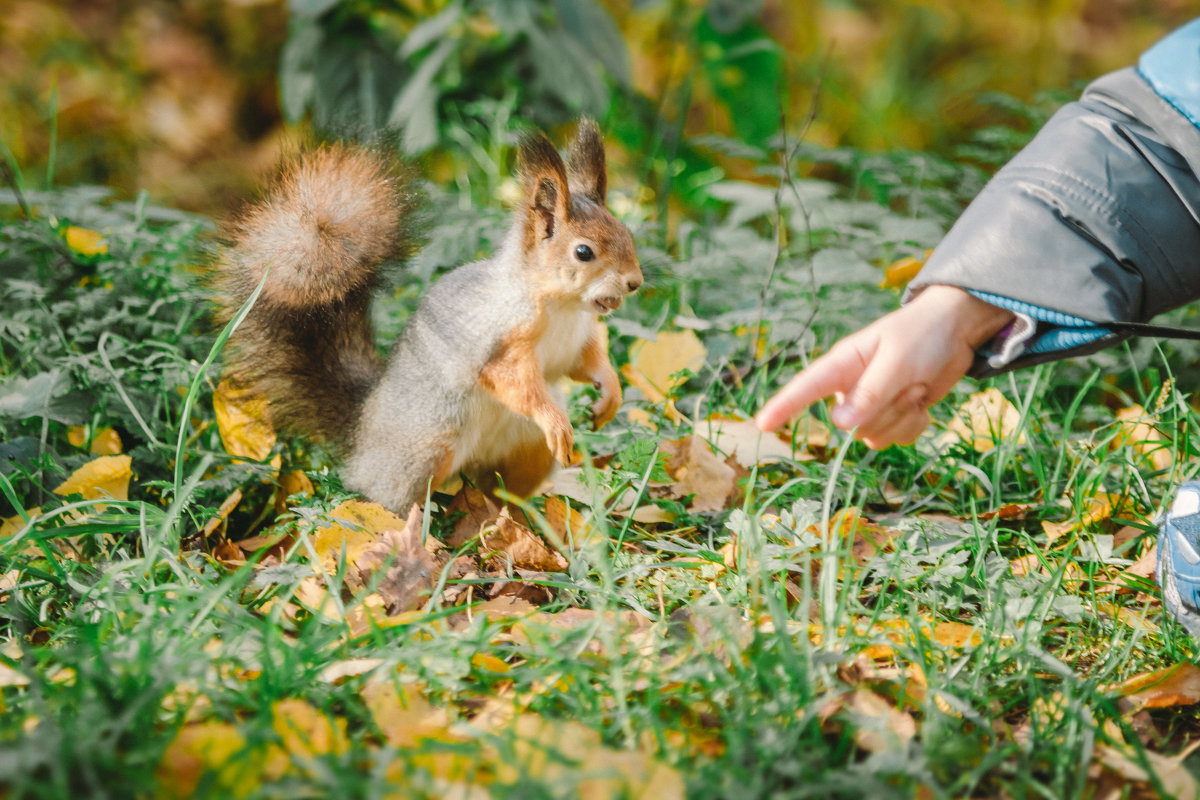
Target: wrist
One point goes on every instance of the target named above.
(966, 317)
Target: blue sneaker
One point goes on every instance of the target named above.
(1178, 569)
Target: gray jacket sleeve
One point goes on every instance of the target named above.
(1097, 218)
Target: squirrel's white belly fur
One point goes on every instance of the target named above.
(491, 430)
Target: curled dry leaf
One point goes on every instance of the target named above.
(699, 472)
(477, 509)
(411, 567)
(878, 724)
(513, 543)
(244, 421)
(1178, 685)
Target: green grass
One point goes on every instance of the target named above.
(809, 669)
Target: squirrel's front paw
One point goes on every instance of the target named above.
(560, 438)
(605, 408)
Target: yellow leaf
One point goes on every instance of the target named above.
(244, 421)
(556, 751)
(651, 364)
(365, 524)
(106, 442)
(304, 734)
(403, 715)
(213, 749)
(899, 273)
(103, 477)
(986, 419)
(85, 242)
(291, 483)
(1138, 429)
(11, 526)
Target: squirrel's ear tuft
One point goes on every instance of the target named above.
(544, 178)
(585, 163)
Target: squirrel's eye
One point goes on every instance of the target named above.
(584, 253)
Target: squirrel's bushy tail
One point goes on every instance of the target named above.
(320, 234)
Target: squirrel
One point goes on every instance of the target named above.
(470, 383)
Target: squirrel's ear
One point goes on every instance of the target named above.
(544, 177)
(585, 163)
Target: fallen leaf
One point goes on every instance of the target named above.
(897, 274)
(699, 472)
(1178, 685)
(100, 478)
(106, 442)
(983, 421)
(244, 421)
(364, 526)
(477, 508)
(291, 483)
(305, 734)
(1170, 773)
(1139, 430)
(403, 715)
(513, 543)
(876, 722)
(207, 750)
(411, 567)
(553, 752)
(84, 241)
(568, 523)
(749, 446)
(651, 364)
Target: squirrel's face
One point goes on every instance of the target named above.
(576, 249)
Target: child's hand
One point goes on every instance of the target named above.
(887, 375)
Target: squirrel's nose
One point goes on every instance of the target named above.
(633, 283)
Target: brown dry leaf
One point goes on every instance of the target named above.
(878, 724)
(1178, 685)
(212, 749)
(749, 446)
(897, 274)
(478, 508)
(1176, 781)
(403, 714)
(1138, 429)
(569, 525)
(244, 421)
(1142, 569)
(866, 538)
(516, 544)
(983, 421)
(651, 514)
(1098, 509)
(411, 567)
(651, 364)
(103, 477)
(699, 472)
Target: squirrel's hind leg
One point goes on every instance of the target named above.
(521, 471)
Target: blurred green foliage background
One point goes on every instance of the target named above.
(193, 99)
